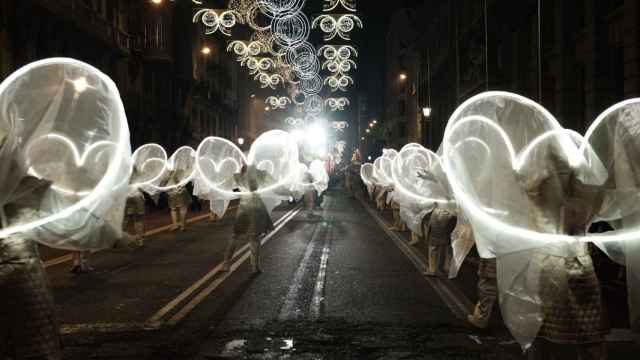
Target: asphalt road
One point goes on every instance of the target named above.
(335, 286)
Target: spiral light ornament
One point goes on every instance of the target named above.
(314, 105)
(291, 30)
(337, 104)
(333, 25)
(277, 103)
(311, 86)
(339, 125)
(330, 5)
(216, 19)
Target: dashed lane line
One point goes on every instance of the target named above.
(459, 304)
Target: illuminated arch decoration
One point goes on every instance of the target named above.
(338, 83)
(339, 67)
(337, 104)
(256, 65)
(330, 5)
(216, 19)
(246, 49)
(277, 103)
(340, 25)
(269, 80)
(338, 53)
(339, 125)
(294, 121)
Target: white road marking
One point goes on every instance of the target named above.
(459, 304)
(155, 322)
(318, 292)
(290, 309)
(202, 295)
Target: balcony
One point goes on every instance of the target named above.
(92, 22)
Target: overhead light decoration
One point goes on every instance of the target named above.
(337, 25)
(314, 105)
(256, 65)
(339, 125)
(246, 49)
(278, 103)
(338, 53)
(278, 52)
(294, 121)
(338, 83)
(216, 20)
(337, 104)
(339, 67)
(330, 5)
(269, 80)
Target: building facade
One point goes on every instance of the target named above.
(575, 57)
(174, 94)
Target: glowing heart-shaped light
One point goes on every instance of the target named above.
(499, 149)
(73, 132)
(149, 162)
(274, 152)
(412, 161)
(180, 170)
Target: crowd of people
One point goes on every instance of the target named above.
(532, 197)
(70, 181)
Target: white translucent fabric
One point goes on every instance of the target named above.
(528, 187)
(615, 137)
(275, 152)
(367, 174)
(319, 175)
(180, 170)
(63, 122)
(149, 163)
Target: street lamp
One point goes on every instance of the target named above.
(426, 111)
(368, 131)
(375, 121)
(205, 49)
(403, 73)
(362, 138)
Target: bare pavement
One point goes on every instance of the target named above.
(335, 286)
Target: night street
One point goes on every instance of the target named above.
(319, 179)
(336, 285)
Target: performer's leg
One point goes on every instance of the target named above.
(183, 217)
(228, 253)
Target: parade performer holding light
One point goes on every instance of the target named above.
(261, 180)
(530, 190)
(64, 151)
